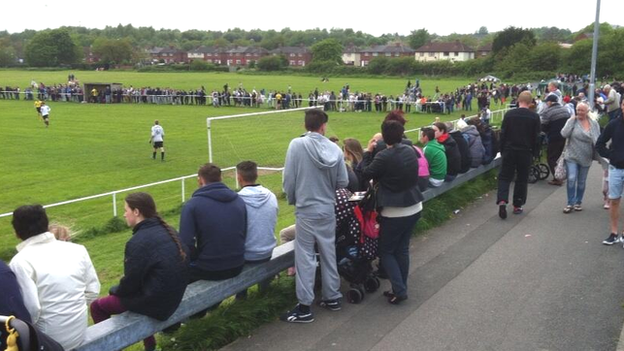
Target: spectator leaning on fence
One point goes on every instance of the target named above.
(313, 170)
(262, 212)
(57, 278)
(155, 268)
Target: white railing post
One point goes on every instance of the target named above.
(208, 122)
(114, 204)
(236, 177)
(183, 191)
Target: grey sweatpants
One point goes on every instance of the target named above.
(321, 231)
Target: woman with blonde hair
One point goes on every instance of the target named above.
(582, 133)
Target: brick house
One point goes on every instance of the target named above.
(451, 51)
(210, 54)
(244, 55)
(483, 50)
(167, 55)
(298, 56)
(391, 51)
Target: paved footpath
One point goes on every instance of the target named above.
(537, 281)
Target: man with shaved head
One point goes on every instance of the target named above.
(519, 143)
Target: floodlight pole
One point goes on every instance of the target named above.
(592, 78)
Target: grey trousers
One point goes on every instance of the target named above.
(321, 231)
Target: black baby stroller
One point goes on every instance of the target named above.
(354, 251)
(539, 170)
(18, 335)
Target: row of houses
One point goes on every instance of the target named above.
(300, 56)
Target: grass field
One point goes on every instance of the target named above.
(91, 149)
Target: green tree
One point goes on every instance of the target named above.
(511, 36)
(272, 63)
(51, 48)
(113, 50)
(7, 56)
(545, 57)
(418, 38)
(328, 50)
(483, 31)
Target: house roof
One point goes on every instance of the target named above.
(247, 50)
(455, 46)
(396, 48)
(486, 47)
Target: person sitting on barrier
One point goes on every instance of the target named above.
(262, 210)
(475, 145)
(353, 153)
(213, 224)
(453, 156)
(395, 115)
(61, 232)
(11, 301)
(57, 278)
(436, 158)
(462, 145)
(155, 268)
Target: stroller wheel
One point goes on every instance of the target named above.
(372, 284)
(354, 296)
(533, 175)
(544, 171)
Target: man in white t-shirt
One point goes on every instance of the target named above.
(158, 138)
(45, 113)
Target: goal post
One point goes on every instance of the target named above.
(209, 123)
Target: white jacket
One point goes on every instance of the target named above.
(58, 281)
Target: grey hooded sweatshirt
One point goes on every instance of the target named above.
(313, 170)
(262, 210)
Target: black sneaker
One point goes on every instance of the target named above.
(332, 305)
(296, 316)
(612, 239)
(502, 210)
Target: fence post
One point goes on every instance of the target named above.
(183, 198)
(236, 177)
(114, 204)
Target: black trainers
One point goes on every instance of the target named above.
(297, 316)
(502, 210)
(332, 305)
(612, 239)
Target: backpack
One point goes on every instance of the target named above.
(366, 213)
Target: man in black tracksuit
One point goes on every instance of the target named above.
(519, 142)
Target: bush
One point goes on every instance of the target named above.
(272, 63)
(199, 65)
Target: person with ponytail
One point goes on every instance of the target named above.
(155, 268)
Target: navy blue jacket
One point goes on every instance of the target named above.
(155, 275)
(213, 225)
(614, 131)
(11, 302)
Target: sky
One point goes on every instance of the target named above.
(373, 17)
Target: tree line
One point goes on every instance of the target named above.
(517, 52)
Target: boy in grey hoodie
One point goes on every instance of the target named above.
(262, 211)
(313, 170)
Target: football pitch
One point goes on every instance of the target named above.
(91, 149)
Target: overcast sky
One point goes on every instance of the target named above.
(373, 17)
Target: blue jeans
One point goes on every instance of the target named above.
(577, 175)
(394, 237)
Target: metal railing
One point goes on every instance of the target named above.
(115, 192)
